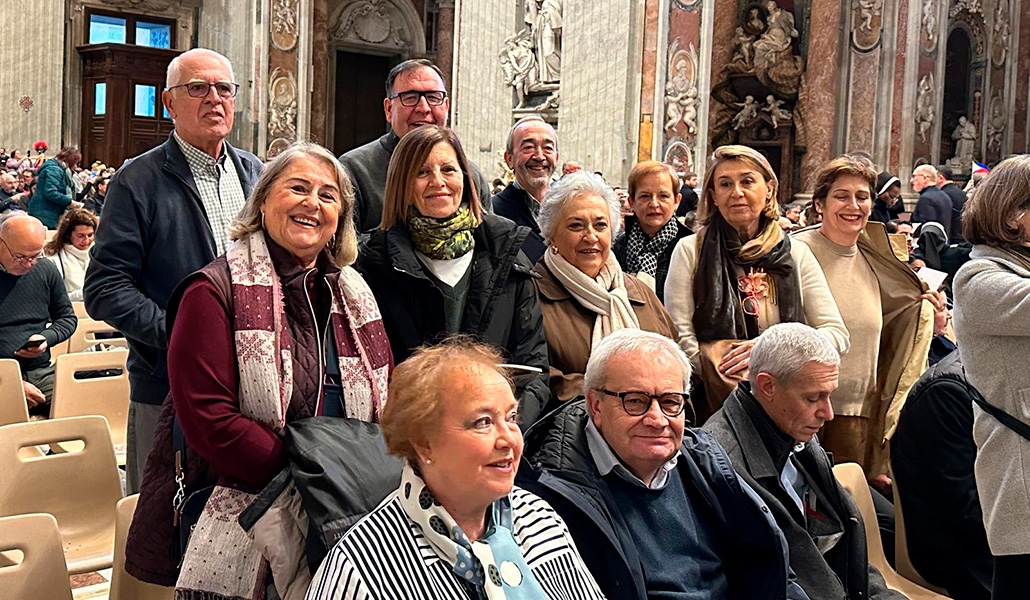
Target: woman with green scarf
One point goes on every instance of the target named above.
(439, 264)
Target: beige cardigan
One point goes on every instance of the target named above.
(820, 309)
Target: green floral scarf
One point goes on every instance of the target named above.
(442, 239)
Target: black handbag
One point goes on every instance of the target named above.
(187, 506)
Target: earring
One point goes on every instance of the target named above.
(429, 461)
(554, 249)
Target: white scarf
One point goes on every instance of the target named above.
(72, 262)
(604, 294)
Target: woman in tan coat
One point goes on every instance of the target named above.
(584, 295)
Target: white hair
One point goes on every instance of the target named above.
(783, 349)
(927, 170)
(573, 186)
(173, 73)
(644, 343)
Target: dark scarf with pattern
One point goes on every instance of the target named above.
(642, 252)
(718, 314)
(442, 239)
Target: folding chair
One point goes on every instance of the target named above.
(106, 396)
(80, 489)
(853, 479)
(123, 585)
(85, 335)
(31, 560)
(13, 408)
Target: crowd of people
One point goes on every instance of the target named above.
(580, 395)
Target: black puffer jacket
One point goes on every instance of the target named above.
(501, 307)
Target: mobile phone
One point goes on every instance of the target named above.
(32, 344)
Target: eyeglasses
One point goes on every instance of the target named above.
(25, 260)
(200, 89)
(412, 98)
(637, 404)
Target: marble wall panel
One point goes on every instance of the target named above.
(819, 86)
(319, 72)
(686, 34)
(649, 74)
(899, 117)
(227, 26)
(1021, 118)
(861, 112)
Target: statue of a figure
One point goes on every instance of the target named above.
(925, 113)
(777, 38)
(965, 141)
(776, 113)
(747, 114)
(518, 64)
(544, 18)
(867, 9)
(680, 100)
(743, 48)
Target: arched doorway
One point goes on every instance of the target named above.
(957, 88)
(366, 39)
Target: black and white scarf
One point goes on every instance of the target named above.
(642, 252)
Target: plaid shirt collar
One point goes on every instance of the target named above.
(197, 159)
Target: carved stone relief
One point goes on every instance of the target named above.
(996, 122)
(763, 47)
(969, 6)
(1002, 31)
(373, 22)
(681, 97)
(925, 112)
(866, 23)
(928, 25)
(284, 24)
(531, 58)
(975, 23)
(282, 111)
(681, 157)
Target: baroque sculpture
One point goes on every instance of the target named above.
(925, 113)
(681, 97)
(531, 58)
(1002, 33)
(996, 123)
(764, 46)
(928, 29)
(965, 144)
(775, 112)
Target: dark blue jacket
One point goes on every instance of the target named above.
(511, 203)
(154, 233)
(933, 205)
(557, 466)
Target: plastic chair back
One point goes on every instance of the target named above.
(13, 408)
(85, 335)
(80, 310)
(80, 489)
(106, 396)
(123, 585)
(853, 479)
(39, 572)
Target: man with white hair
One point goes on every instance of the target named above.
(653, 505)
(933, 204)
(768, 427)
(165, 216)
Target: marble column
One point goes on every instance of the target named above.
(817, 97)
(445, 40)
(681, 125)
(1021, 130)
(284, 75)
(648, 75)
(319, 72)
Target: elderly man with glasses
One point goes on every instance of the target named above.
(35, 313)
(416, 95)
(165, 216)
(933, 204)
(654, 506)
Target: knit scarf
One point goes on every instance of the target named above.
(224, 562)
(506, 575)
(604, 294)
(642, 252)
(73, 263)
(442, 239)
(718, 313)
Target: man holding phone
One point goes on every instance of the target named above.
(32, 294)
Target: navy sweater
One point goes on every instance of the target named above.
(27, 304)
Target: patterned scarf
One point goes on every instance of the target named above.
(604, 294)
(226, 563)
(642, 252)
(507, 576)
(442, 239)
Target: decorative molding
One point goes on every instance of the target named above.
(282, 110)
(687, 5)
(926, 114)
(283, 29)
(377, 23)
(996, 122)
(26, 103)
(867, 24)
(681, 95)
(1002, 33)
(531, 58)
(968, 6)
(928, 25)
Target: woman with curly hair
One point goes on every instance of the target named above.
(69, 248)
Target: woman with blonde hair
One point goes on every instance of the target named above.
(69, 248)
(740, 274)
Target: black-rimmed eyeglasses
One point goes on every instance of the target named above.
(200, 89)
(412, 98)
(637, 404)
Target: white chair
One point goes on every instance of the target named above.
(85, 335)
(106, 396)
(31, 560)
(123, 585)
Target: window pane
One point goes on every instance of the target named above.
(103, 28)
(156, 35)
(100, 95)
(164, 112)
(146, 100)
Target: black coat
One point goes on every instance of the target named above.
(932, 456)
(501, 307)
(558, 467)
(621, 242)
(958, 201)
(842, 573)
(933, 205)
(154, 233)
(511, 203)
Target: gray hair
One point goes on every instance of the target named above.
(573, 186)
(783, 349)
(927, 170)
(249, 218)
(175, 67)
(623, 341)
(509, 145)
(412, 64)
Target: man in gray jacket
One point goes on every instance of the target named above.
(415, 95)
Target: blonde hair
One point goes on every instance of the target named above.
(249, 219)
(988, 214)
(420, 386)
(650, 167)
(771, 234)
(409, 156)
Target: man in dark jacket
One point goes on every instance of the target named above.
(768, 426)
(415, 95)
(688, 197)
(932, 456)
(654, 506)
(958, 201)
(531, 152)
(165, 216)
(933, 204)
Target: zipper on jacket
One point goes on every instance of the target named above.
(319, 340)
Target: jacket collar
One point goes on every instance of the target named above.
(287, 267)
(999, 256)
(764, 446)
(492, 239)
(554, 291)
(389, 142)
(176, 164)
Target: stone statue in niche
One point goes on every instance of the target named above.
(928, 30)
(965, 144)
(544, 19)
(681, 97)
(996, 123)
(775, 112)
(925, 113)
(747, 114)
(1002, 33)
(867, 11)
(743, 49)
(777, 38)
(518, 63)
(763, 47)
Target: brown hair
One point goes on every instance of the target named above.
(847, 164)
(409, 156)
(988, 214)
(420, 385)
(706, 205)
(650, 167)
(69, 155)
(72, 218)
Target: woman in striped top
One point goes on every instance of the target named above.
(456, 527)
